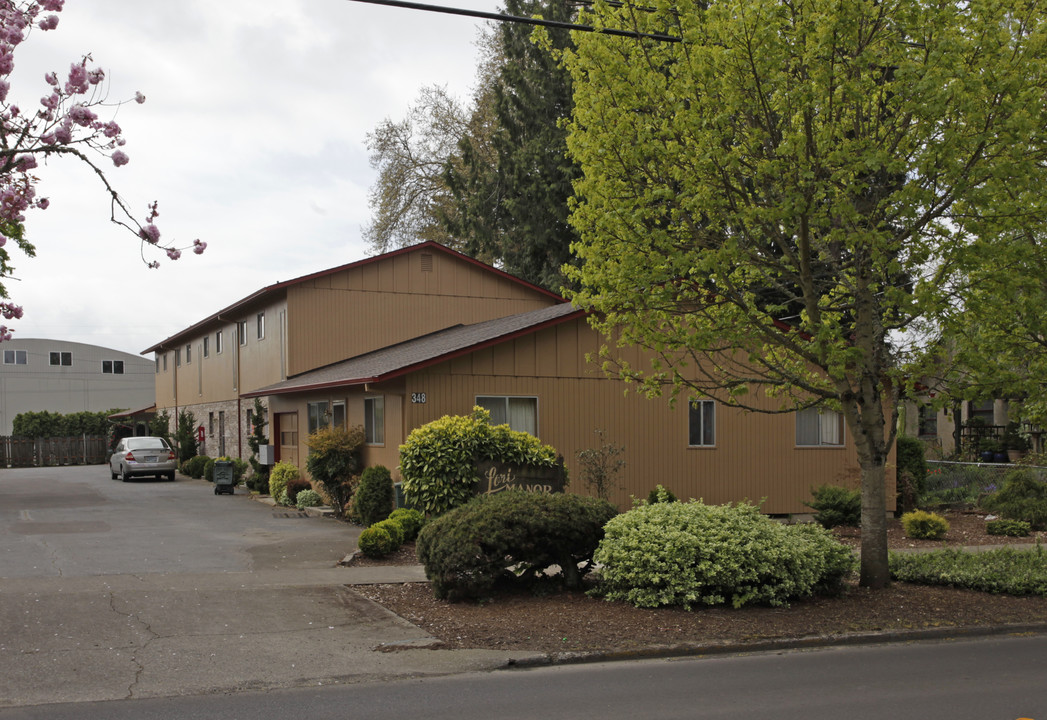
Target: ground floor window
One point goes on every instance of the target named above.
(928, 421)
(374, 420)
(318, 415)
(519, 413)
(817, 426)
(701, 423)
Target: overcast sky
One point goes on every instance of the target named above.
(251, 139)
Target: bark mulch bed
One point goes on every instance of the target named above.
(574, 622)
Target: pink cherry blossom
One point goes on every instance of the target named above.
(49, 23)
(120, 158)
(199, 247)
(150, 233)
(174, 253)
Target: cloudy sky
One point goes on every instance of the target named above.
(251, 139)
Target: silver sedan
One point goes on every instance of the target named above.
(138, 456)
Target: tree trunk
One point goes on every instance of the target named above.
(874, 571)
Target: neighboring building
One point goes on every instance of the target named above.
(69, 377)
(395, 341)
(954, 431)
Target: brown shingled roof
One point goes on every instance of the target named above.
(399, 359)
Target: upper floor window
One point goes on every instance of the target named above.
(207, 349)
(15, 357)
(113, 367)
(817, 426)
(218, 343)
(165, 362)
(61, 358)
(701, 423)
(241, 332)
(374, 420)
(260, 321)
(188, 354)
(178, 358)
(519, 413)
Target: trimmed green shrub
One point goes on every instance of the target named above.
(835, 506)
(294, 486)
(374, 497)
(922, 525)
(306, 498)
(395, 530)
(239, 468)
(1022, 497)
(209, 469)
(194, 466)
(281, 474)
(334, 460)
(687, 554)
(376, 542)
(1006, 570)
(438, 460)
(410, 520)
(660, 494)
(513, 537)
(1010, 528)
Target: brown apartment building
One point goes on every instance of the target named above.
(395, 341)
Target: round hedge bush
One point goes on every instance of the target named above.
(513, 537)
(307, 498)
(376, 542)
(410, 520)
(281, 474)
(687, 554)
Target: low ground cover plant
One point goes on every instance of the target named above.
(1010, 528)
(308, 498)
(1005, 570)
(512, 537)
(688, 554)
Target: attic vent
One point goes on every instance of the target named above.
(427, 262)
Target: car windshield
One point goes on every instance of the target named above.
(146, 443)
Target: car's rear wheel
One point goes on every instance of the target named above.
(124, 475)
(112, 473)
(170, 476)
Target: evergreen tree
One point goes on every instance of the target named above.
(259, 472)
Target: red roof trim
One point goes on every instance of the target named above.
(176, 339)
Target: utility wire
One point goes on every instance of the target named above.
(501, 17)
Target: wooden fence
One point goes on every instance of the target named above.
(41, 452)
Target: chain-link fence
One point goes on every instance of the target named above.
(959, 482)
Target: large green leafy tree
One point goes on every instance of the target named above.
(777, 203)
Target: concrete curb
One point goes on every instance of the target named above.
(779, 645)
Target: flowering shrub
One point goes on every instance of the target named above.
(438, 460)
(691, 554)
(64, 124)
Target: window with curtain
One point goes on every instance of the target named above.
(519, 413)
(701, 423)
(817, 427)
(374, 420)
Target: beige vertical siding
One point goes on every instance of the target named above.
(392, 300)
(755, 456)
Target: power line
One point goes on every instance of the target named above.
(502, 17)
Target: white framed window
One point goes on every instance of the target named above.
(241, 332)
(64, 359)
(178, 357)
(817, 427)
(701, 423)
(207, 349)
(519, 413)
(15, 357)
(260, 322)
(112, 367)
(188, 354)
(165, 362)
(218, 343)
(374, 420)
(338, 414)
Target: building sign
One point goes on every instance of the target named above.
(498, 477)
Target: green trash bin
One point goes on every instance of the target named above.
(223, 477)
